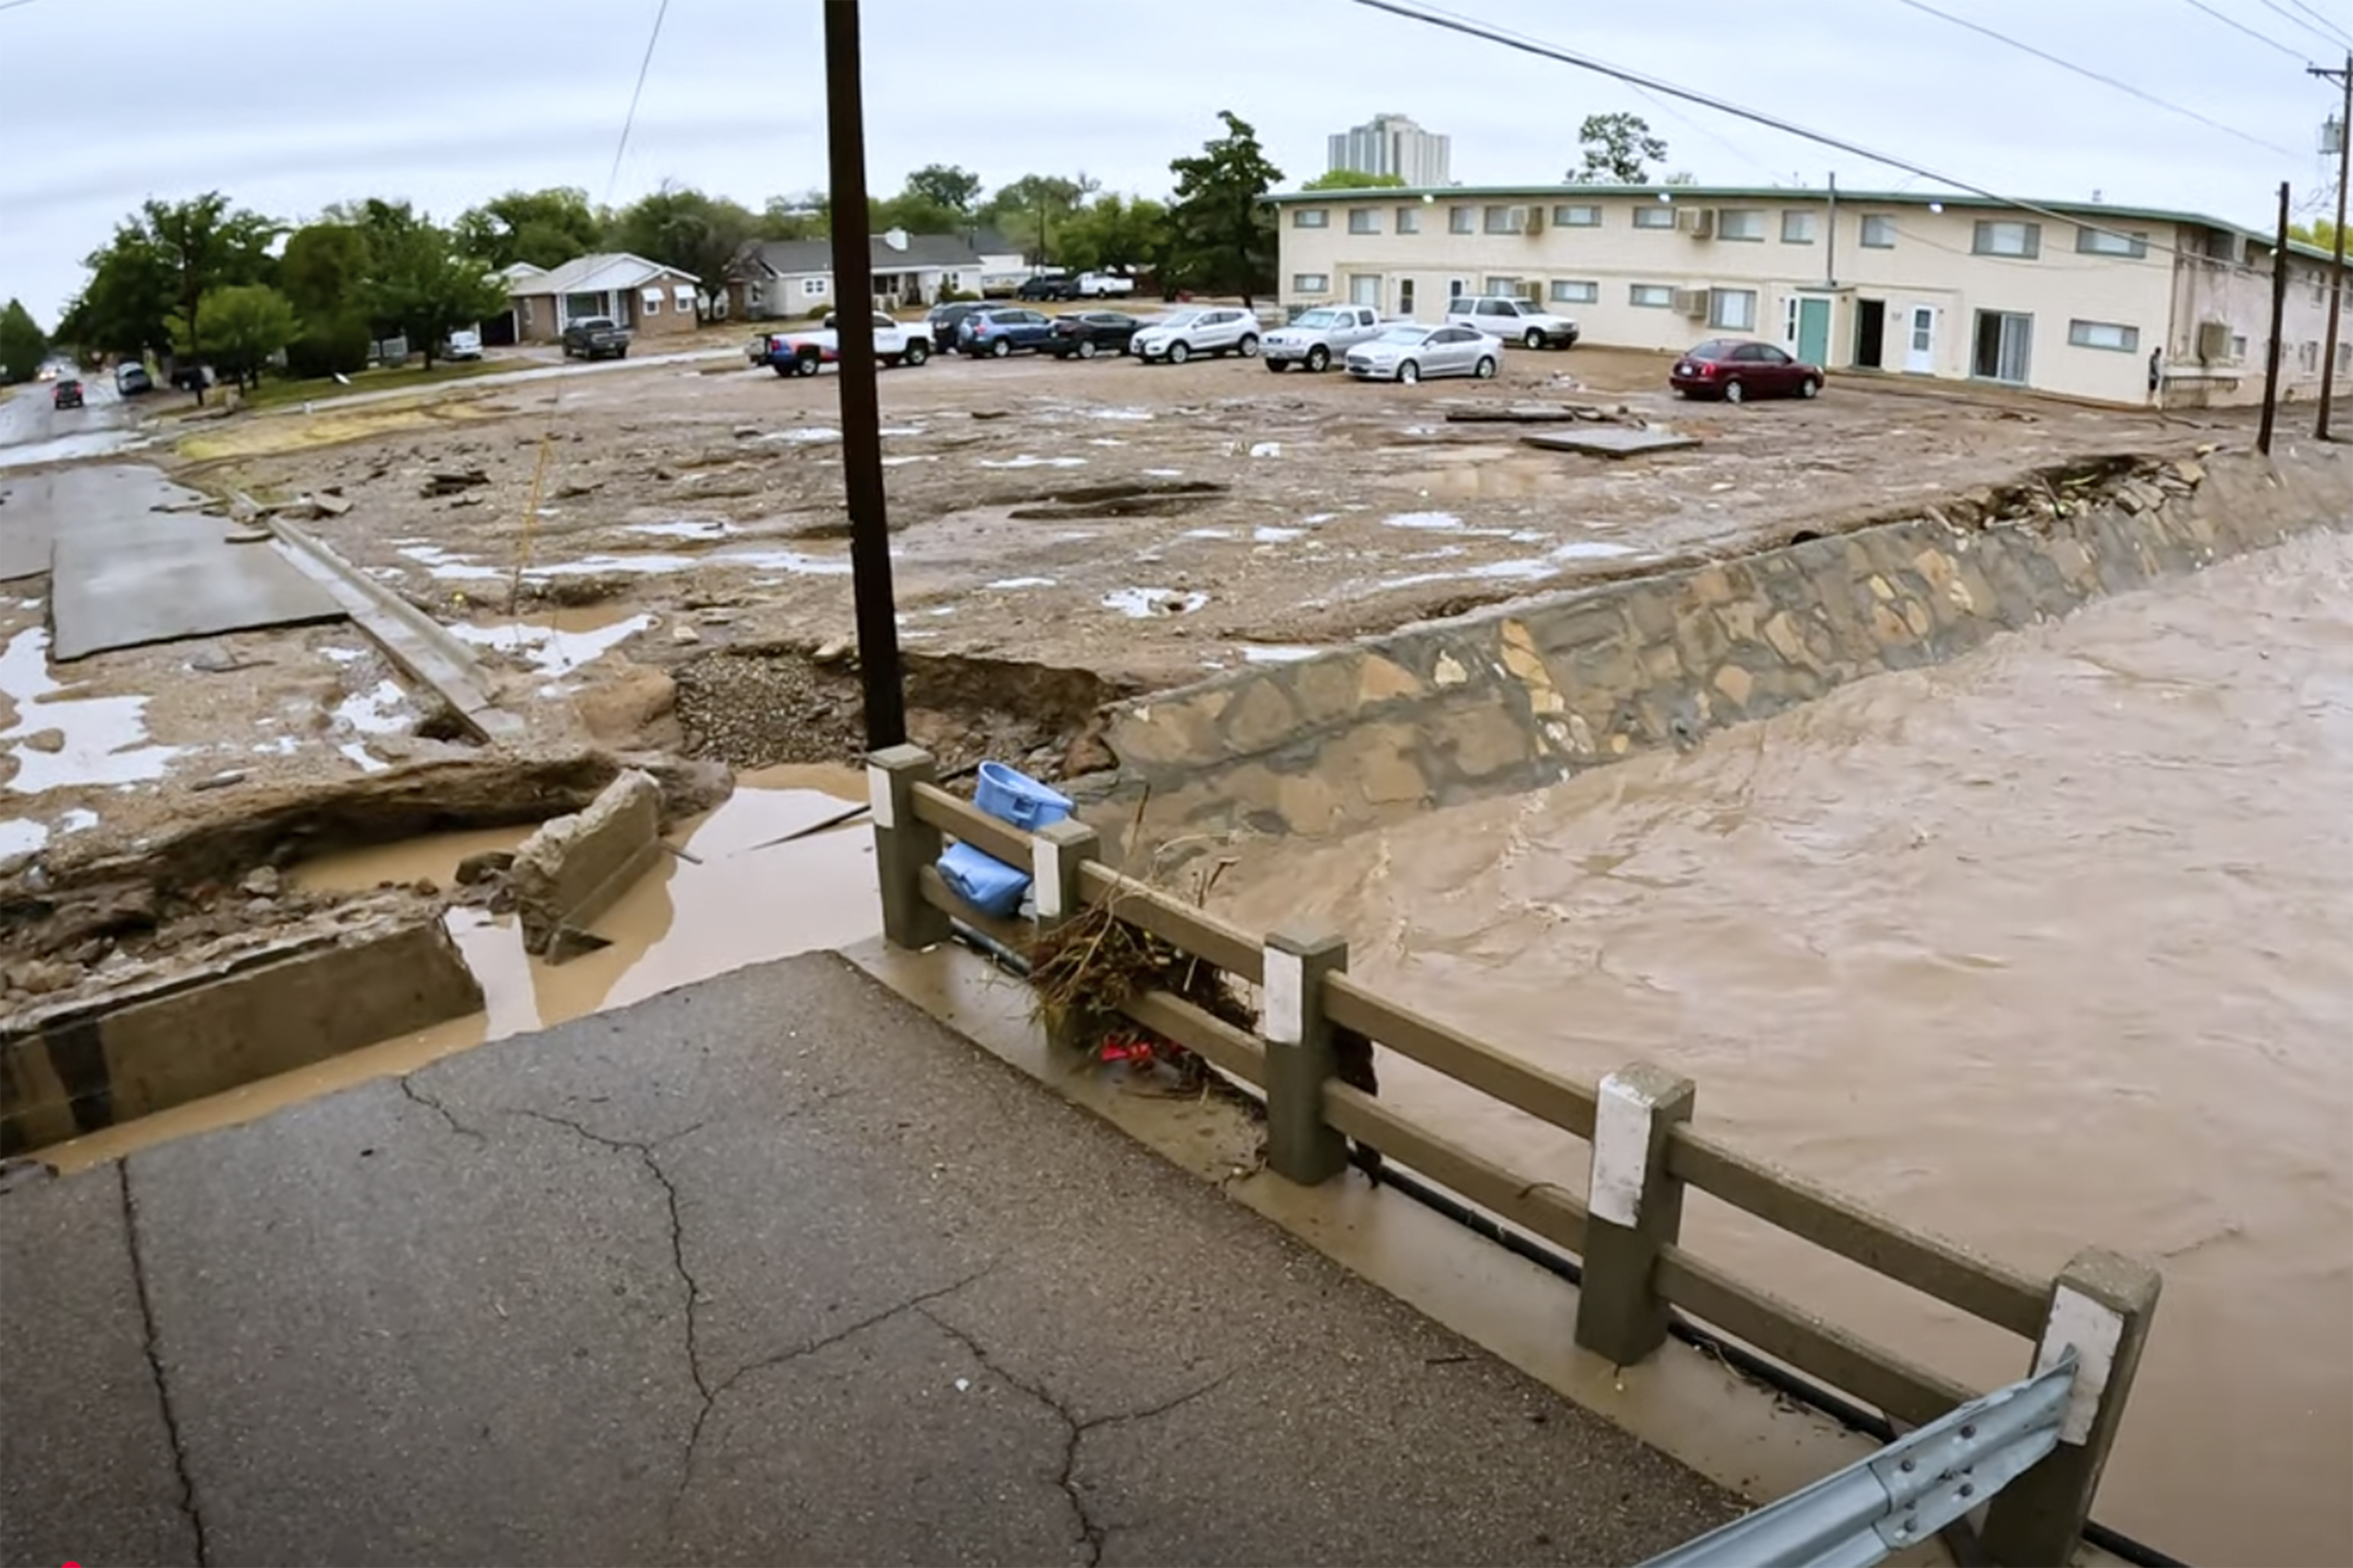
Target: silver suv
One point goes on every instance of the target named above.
(1510, 321)
(1215, 330)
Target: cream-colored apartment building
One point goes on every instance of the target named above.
(2117, 304)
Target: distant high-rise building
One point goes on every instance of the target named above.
(1392, 144)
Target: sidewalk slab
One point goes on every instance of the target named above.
(774, 1269)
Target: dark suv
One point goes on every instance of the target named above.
(1048, 286)
(68, 393)
(947, 321)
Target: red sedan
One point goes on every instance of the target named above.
(1736, 369)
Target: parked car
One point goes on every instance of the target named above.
(1104, 286)
(807, 352)
(67, 392)
(596, 337)
(1220, 330)
(130, 380)
(1736, 369)
(464, 343)
(947, 321)
(1319, 334)
(1510, 321)
(1048, 286)
(1002, 330)
(1407, 351)
(1087, 333)
(193, 377)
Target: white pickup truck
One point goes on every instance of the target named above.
(1510, 321)
(1104, 286)
(807, 352)
(1320, 336)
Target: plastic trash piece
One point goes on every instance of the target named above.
(988, 884)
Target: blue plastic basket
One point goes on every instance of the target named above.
(988, 884)
(1019, 799)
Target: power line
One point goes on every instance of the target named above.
(644, 65)
(12, 4)
(2229, 21)
(2090, 75)
(1494, 35)
(2324, 21)
(2277, 9)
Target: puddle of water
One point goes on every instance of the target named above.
(1313, 518)
(1272, 654)
(344, 655)
(900, 430)
(1268, 534)
(1005, 584)
(20, 835)
(901, 462)
(284, 746)
(449, 567)
(792, 561)
(1135, 416)
(1108, 441)
(1267, 449)
(808, 435)
(686, 528)
(560, 642)
(1207, 533)
(1433, 521)
(104, 738)
(66, 448)
(382, 710)
(78, 819)
(1029, 460)
(1144, 603)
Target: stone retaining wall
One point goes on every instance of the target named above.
(1520, 696)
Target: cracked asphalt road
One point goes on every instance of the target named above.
(770, 1269)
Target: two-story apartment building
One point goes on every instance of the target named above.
(2116, 304)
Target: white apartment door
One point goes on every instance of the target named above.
(1920, 339)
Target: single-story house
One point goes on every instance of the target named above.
(647, 298)
(788, 278)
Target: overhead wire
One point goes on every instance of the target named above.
(2279, 10)
(2300, 56)
(2324, 21)
(2101, 77)
(1488, 32)
(629, 121)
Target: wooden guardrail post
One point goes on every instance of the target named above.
(1636, 1208)
(1056, 852)
(1300, 1144)
(2101, 1306)
(903, 845)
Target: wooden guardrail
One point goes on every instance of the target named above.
(1645, 1154)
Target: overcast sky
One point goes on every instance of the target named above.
(289, 104)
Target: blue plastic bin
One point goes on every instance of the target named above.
(988, 884)
(1019, 799)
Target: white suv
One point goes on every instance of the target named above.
(1512, 322)
(1217, 330)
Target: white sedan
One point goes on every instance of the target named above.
(1406, 353)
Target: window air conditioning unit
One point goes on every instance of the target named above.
(1691, 302)
(1697, 222)
(2213, 342)
(1531, 220)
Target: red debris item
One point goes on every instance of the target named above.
(1126, 1049)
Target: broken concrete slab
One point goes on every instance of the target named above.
(575, 867)
(88, 1063)
(1611, 441)
(1526, 414)
(150, 578)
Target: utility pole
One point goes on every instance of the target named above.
(2336, 274)
(2279, 318)
(861, 409)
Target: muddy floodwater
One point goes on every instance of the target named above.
(2050, 947)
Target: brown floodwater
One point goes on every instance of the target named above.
(2047, 948)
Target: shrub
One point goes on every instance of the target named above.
(954, 297)
(337, 343)
(817, 312)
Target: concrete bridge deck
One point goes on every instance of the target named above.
(769, 1269)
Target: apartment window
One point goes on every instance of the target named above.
(1659, 216)
(1311, 282)
(1457, 289)
(1311, 217)
(1363, 220)
(1734, 309)
(2111, 242)
(1461, 220)
(1740, 222)
(1364, 288)
(1567, 292)
(1506, 220)
(651, 299)
(1879, 233)
(1576, 215)
(816, 288)
(1796, 229)
(2308, 356)
(1408, 220)
(2103, 335)
(1503, 289)
(1650, 296)
(2319, 287)
(2023, 241)
(2344, 358)
(2239, 349)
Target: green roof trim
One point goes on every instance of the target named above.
(2098, 215)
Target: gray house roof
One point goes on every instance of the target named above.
(785, 258)
(597, 274)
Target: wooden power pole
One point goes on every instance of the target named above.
(2344, 75)
(2279, 318)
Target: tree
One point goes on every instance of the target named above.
(545, 228)
(160, 263)
(680, 226)
(945, 186)
(244, 325)
(1030, 211)
(1221, 231)
(323, 273)
(1619, 149)
(22, 344)
(1115, 233)
(207, 244)
(426, 283)
(2320, 233)
(808, 214)
(1353, 179)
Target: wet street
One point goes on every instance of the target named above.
(2048, 947)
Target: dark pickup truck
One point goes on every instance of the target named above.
(596, 337)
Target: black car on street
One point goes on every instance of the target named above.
(68, 393)
(1086, 333)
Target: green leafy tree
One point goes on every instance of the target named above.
(1030, 211)
(161, 262)
(545, 228)
(207, 244)
(806, 215)
(1619, 151)
(1115, 233)
(1221, 231)
(944, 186)
(425, 283)
(323, 271)
(1353, 179)
(681, 227)
(22, 344)
(2320, 233)
(244, 325)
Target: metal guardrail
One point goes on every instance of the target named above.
(2094, 1315)
(1908, 1491)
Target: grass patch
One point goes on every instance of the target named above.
(279, 394)
(271, 438)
